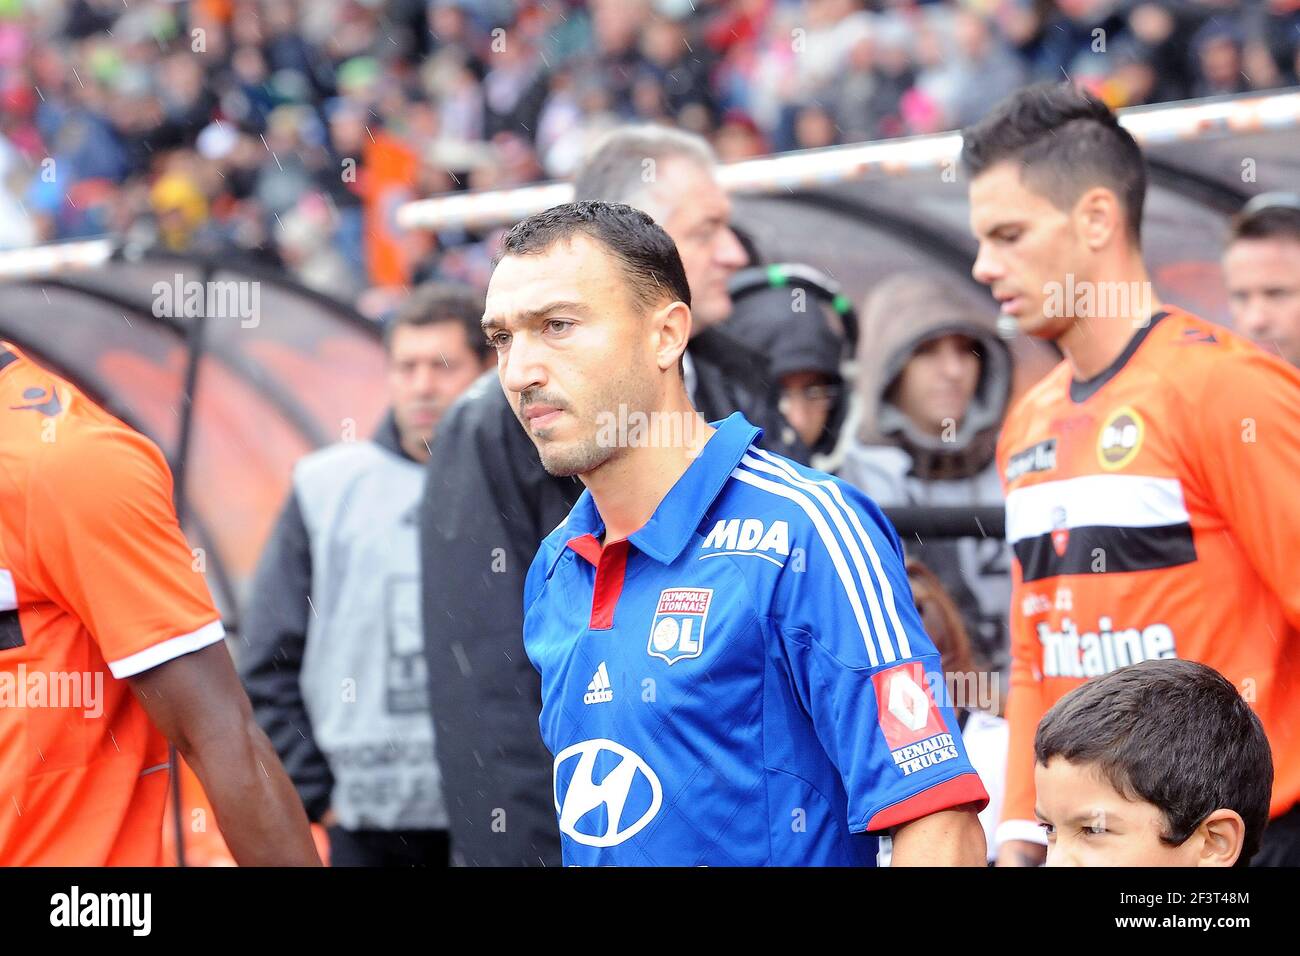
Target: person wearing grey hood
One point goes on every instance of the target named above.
(933, 385)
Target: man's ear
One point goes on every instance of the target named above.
(670, 332)
(1099, 217)
(1222, 833)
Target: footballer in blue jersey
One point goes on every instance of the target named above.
(733, 670)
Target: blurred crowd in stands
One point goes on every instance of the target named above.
(290, 131)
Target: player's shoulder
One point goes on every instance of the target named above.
(82, 445)
(562, 533)
(768, 488)
(38, 404)
(72, 452)
(546, 558)
(1199, 359)
(1191, 343)
(95, 474)
(557, 536)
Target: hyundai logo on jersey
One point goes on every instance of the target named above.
(604, 793)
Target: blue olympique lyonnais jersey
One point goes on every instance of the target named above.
(743, 681)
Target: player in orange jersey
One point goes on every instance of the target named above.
(109, 647)
(1148, 477)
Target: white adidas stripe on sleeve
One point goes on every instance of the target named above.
(833, 547)
(882, 579)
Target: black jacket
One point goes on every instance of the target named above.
(273, 639)
(732, 376)
(488, 503)
(794, 341)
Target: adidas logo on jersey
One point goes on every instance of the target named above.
(747, 536)
(599, 690)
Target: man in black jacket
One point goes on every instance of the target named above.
(488, 504)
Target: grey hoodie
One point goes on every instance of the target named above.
(898, 465)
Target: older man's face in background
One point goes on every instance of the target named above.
(1263, 279)
(695, 211)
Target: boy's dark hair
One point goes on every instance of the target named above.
(1066, 141)
(1172, 733)
(433, 302)
(647, 254)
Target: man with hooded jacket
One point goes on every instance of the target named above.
(934, 381)
(804, 348)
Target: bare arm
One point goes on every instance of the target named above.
(197, 702)
(947, 838)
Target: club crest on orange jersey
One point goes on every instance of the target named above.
(1060, 532)
(1120, 438)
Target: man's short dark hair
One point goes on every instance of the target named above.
(1066, 141)
(1172, 733)
(1278, 217)
(649, 258)
(433, 302)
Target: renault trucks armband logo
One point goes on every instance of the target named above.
(677, 632)
(910, 720)
(604, 793)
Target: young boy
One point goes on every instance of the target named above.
(1158, 764)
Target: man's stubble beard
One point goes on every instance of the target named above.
(576, 458)
(586, 454)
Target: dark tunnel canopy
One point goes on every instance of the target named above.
(273, 382)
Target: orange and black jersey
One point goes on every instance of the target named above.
(97, 584)
(1152, 513)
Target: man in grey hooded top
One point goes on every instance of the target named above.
(934, 381)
